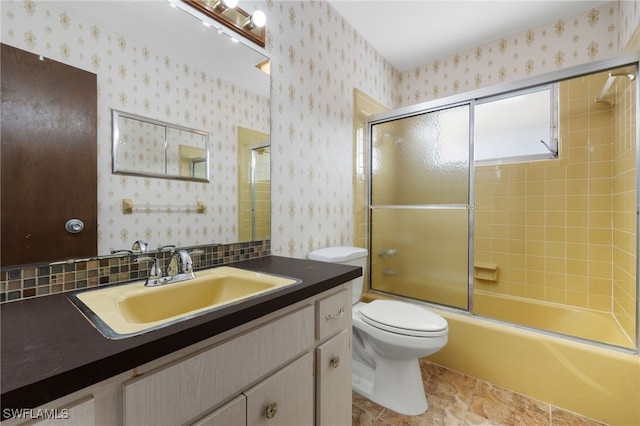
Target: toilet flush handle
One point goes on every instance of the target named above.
(338, 316)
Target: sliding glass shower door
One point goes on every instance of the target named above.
(419, 210)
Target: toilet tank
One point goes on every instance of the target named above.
(345, 255)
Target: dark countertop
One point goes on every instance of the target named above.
(50, 350)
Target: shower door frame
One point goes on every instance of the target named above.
(470, 194)
(254, 149)
(470, 98)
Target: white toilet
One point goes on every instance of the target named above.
(389, 337)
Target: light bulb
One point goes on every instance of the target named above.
(230, 4)
(258, 19)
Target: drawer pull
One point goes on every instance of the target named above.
(332, 317)
(271, 410)
(335, 362)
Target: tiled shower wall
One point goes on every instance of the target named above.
(624, 202)
(548, 224)
(261, 211)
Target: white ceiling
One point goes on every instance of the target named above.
(413, 33)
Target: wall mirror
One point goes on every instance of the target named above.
(143, 146)
(159, 61)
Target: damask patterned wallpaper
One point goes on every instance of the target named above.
(133, 78)
(317, 61)
(629, 25)
(566, 42)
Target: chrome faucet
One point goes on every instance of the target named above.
(179, 268)
(170, 247)
(140, 246)
(121, 251)
(155, 274)
(180, 263)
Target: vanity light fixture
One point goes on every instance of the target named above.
(227, 13)
(257, 20)
(224, 4)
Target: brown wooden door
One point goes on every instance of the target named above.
(48, 159)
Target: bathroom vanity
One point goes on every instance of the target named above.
(281, 358)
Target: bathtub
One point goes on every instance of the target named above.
(596, 382)
(572, 321)
(599, 383)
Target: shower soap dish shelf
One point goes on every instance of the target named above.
(485, 272)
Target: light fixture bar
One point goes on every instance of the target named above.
(226, 12)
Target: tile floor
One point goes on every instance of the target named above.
(456, 399)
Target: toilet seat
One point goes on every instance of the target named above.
(403, 318)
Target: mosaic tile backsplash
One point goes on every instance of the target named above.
(49, 278)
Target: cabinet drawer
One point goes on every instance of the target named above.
(333, 387)
(187, 388)
(232, 413)
(286, 398)
(333, 314)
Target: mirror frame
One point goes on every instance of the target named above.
(115, 142)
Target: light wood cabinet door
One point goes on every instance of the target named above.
(232, 413)
(333, 382)
(78, 413)
(186, 389)
(285, 398)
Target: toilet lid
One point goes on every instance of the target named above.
(403, 318)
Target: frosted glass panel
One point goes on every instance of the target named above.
(421, 254)
(422, 159)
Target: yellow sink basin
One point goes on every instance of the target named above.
(132, 309)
